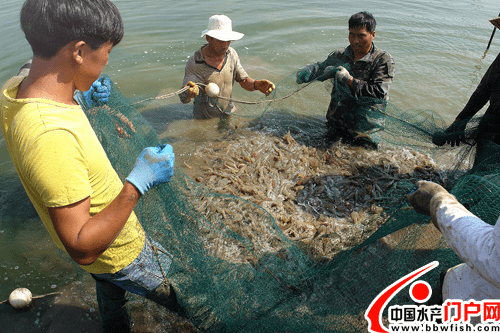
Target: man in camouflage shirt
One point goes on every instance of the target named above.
(352, 118)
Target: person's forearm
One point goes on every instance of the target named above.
(100, 230)
(247, 84)
(473, 240)
(364, 89)
(482, 93)
(475, 103)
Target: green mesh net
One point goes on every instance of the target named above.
(272, 227)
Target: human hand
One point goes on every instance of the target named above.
(421, 198)
(154, 166)
(193, 91)
(304, 74)
(427, 197)
(264, 86)
(343, 75)
(328, 73)
(439, 138)
(453, 135)
(99, 92)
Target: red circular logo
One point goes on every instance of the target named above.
(420, 291)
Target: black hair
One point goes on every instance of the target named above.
(49, 25)
(363, 20)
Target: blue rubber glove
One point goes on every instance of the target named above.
(304, 74)
(154, 166)
(99, 92)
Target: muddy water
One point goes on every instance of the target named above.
(438, 49)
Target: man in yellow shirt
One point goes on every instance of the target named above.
(78, 195)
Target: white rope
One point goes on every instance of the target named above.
(178, 92)
(36, 297)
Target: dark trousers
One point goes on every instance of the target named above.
(112, 301)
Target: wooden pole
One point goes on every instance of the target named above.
(492, 34)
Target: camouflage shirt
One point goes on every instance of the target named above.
(372, 78)
(373, 74)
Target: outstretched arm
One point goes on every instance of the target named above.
(311, 72)
(483, 91)
(264, 86)
(473, 240)
(475, 103)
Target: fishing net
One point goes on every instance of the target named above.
(272, 227)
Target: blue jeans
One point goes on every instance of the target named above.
(144, 277)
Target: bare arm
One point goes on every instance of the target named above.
(264, 86)
(86, 238)
(247, 84)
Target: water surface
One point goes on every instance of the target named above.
(438, 48)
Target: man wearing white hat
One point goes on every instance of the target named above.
(217, 63)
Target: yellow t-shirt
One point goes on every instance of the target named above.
(60, 161)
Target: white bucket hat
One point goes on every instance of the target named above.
(220, 27)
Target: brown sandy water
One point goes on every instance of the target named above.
(270, 171)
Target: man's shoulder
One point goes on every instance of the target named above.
(341, 52)
(13, 82)
(232, 58)
(9, 91)
(232, 53)
(197, 57)
(23, 106)
(382, 54)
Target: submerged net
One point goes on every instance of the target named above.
(273, 228)
(277, 229)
